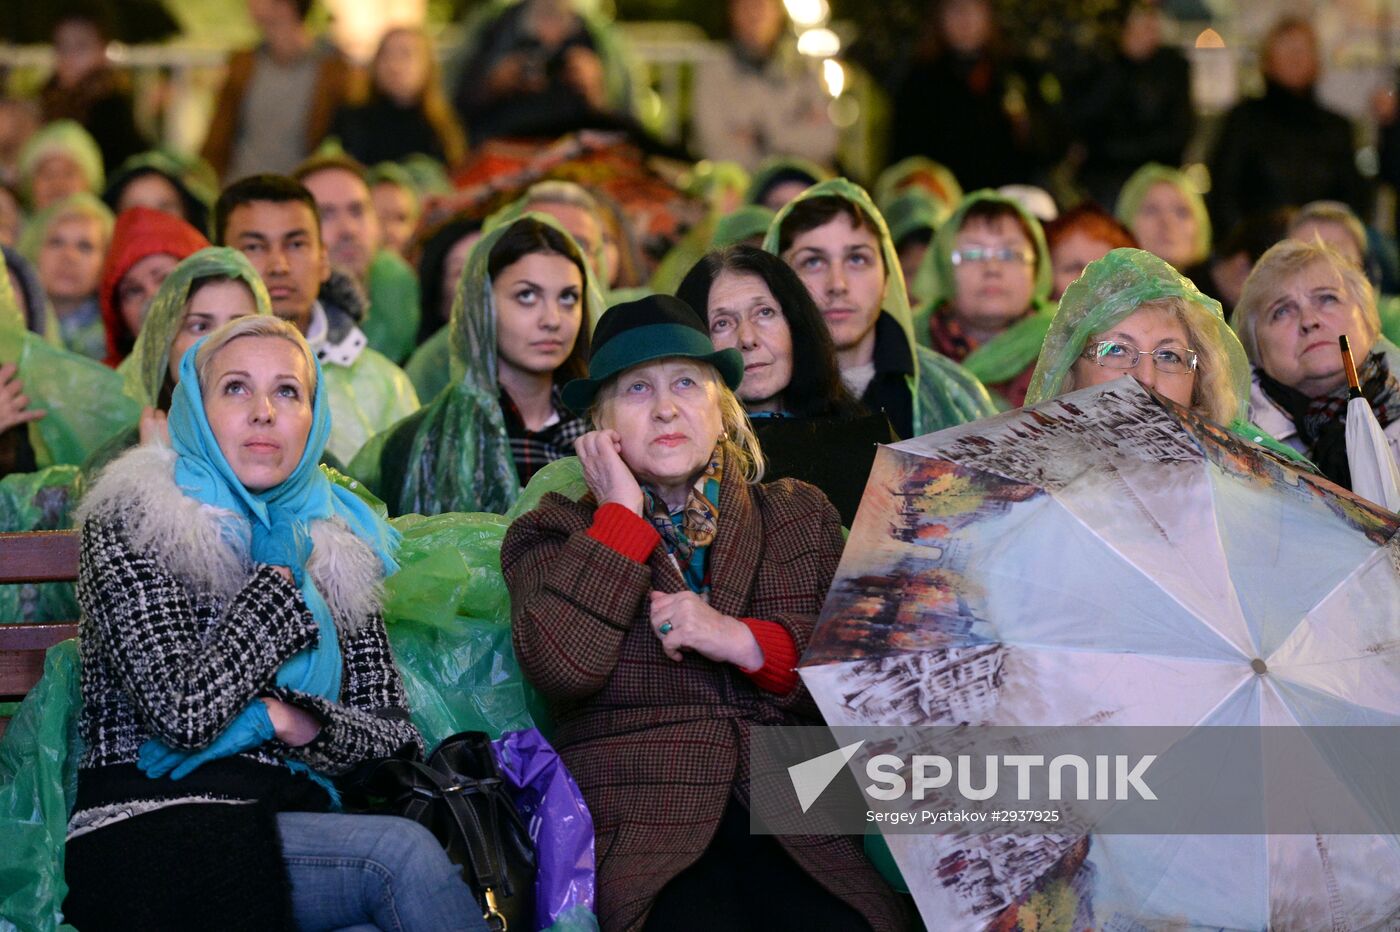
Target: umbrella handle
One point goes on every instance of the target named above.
(1349, 364)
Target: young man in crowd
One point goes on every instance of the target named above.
(350, 229)
(273, 221)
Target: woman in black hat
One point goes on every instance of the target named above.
(662, 616)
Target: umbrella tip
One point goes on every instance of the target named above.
(1349, 364)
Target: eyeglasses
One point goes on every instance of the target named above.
(1115, 354)
(979, 254)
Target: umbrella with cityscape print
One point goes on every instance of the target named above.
(1108, 558)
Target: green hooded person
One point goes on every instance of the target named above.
(501, 419)
(920, 173)
(837, 241)
(1168, 217)
(78, 227)
(781, 178)
(988, 277)
(204, 291)
(81, 399)
(1130, 313)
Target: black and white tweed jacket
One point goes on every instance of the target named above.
(180, 630)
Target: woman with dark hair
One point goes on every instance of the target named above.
(164, 182)
(441, 260)
(798, 380)
(519, 330)
(1079, 236)
(792, 389)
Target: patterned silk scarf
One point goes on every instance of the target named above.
(689, 532)
(1321, 422)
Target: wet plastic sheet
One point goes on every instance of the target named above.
(448, 616)
(39, 501)
(38, 779)
(83, 398)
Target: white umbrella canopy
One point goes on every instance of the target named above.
(1106, 558)
(1372, 465)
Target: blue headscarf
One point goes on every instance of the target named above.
(202, 473)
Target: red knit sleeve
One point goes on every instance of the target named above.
(625, 531)
(778, 673)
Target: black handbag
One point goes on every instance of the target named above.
(458, 794)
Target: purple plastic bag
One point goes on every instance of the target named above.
(560, 824)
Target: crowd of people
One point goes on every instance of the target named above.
(295, 338)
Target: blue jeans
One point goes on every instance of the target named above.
(372, 872)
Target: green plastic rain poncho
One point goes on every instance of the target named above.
(1015, 349)
(65, 137)
(771, 168)
(917, 171)
(82, 331)
(40, 316)
(913, 210)
(1136, 188)
(43, 500)
(82, 397)
(516, 209)
(391, 325)
(145, 370)
(717, 181)
(1111, 289)
(430, 366)
(714, 232)
(747, 222)
(454, 454)
(944, 393)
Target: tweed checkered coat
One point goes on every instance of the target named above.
(182, 629)
(659, 747)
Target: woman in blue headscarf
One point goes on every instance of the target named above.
(234, 661)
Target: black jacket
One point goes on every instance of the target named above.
(1278, 150)
(382, 131)
(1127, 113)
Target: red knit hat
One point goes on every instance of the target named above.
(140, 232)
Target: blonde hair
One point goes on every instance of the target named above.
(1213, 394)
(1284, 260)
(1332, 212)
(737, 438)
(256, 325)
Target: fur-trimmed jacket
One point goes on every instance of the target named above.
(180, 630)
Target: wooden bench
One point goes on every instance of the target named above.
(33, 557)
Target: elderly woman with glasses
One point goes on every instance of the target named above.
(1130, 313)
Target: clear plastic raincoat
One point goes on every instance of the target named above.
(1143, 180)
(1114, 287)
(1012, 351)
(454, 454)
